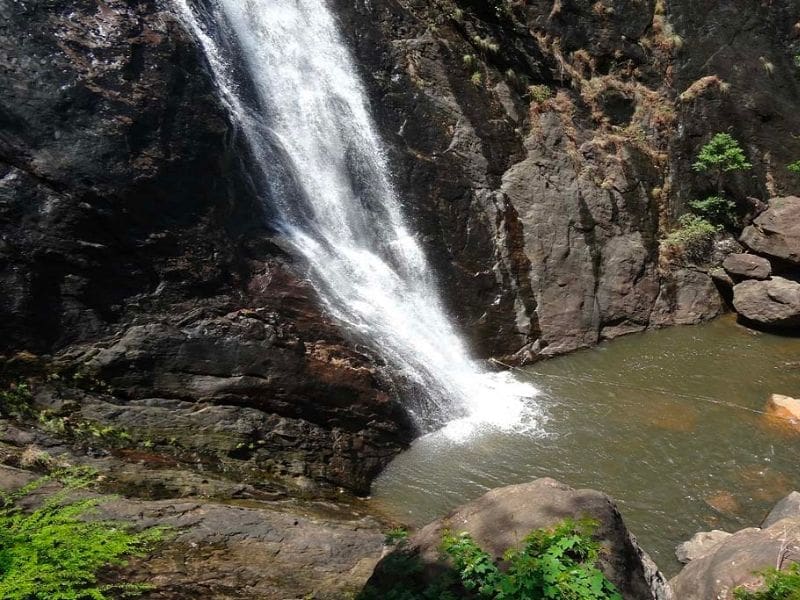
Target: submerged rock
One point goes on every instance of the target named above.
(747, 266)
(776, 231)
(501, 518)
(772, 303)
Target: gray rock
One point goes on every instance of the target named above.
(702, 543)
(747, 266)
(776, 231)
(773, 303)
(736, 561)
(500, 519)
(789, 507)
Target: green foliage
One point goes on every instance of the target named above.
(553, 564)
(795, 167)
(56, 551)
(16, 400)
(716, 210)
(476, 79)
(721, 155)
(694, 238)
(778, 585)
(396, 535)
(539, 93)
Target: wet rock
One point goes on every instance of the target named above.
(785, 409)
(737, 560)
(747, 266)
(771, 303)
(776, 231)
(686, 296)
(701, 544)
(787, 508)
(499, 519)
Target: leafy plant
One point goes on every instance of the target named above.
(553, 564)
(721, 155)
(539, 93)
(56, 551)
(795, 167)
(694, 237)
(715, 209)
(778, 585)
(396, 535)
(16, 400)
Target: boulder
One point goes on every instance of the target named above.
(789, 507)
(784, 408)
(747, 266)
(736, 561)
(700, 545)
(773, 303)
(502, 517)
(776, 231)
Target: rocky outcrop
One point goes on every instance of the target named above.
(502, 517)
(771, 303)
(747, 266)
(786, 508)
(775, 233)
(731, 561)
(784, 410)
(701, 544)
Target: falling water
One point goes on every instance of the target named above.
(290, 84)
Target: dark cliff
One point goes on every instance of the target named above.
(542, 149)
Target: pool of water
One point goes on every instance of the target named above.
(661, 421)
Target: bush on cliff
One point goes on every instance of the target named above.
(56, 551)
(778, 585)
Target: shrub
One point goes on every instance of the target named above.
(721, 155)
(778, 585)
(476, 79)
(553, 564)
(56, 551)
(694, 238)
(16, 400)
(539, 93)
(715, 209)
(795, 167)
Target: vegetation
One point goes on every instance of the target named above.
(552, 564)
(694, 237)
(57, 551)
(721, 155)
(396, 535)
(539, 93)
(715, 209)
(16, 400)
(778, 585)
(795, 167)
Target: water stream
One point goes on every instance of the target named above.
(635, 419)
(292, 87)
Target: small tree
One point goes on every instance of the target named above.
(721, 155)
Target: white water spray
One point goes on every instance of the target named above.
(290, 83)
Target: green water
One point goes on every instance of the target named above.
(625, 418)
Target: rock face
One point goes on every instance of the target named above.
(132, 244)
(502, 517)
(700, 545)
(771, 303)
(747, 266)
(776, 231)
(786, 508)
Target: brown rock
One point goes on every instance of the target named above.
(776, 231)
(700, 545)
(784, 408)
(747, 266)
(771, 303)
(787, 508)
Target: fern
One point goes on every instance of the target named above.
(56, 551)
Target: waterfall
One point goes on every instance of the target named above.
(290, 84)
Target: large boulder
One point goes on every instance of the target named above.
(772, 303)
(747, 266)
(785, 409)
(786, 508)
(500, 519)
(776, 231)
(701, 544)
